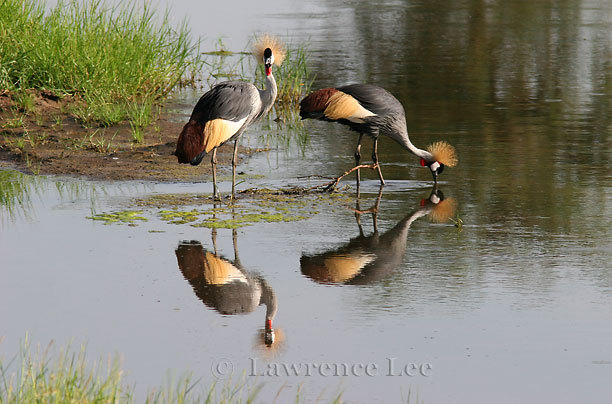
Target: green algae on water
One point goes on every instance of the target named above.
(125, 216)
(247, 220)
(253, 206)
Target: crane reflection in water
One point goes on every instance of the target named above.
(367, 259)
(226, 286)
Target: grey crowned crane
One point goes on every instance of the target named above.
(372, 110)
(224, 112)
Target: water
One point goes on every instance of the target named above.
(515, 307)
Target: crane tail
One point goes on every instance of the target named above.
(190, 144)
(197, 140)
(314, 104)
(331, 104)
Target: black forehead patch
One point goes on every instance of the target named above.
(268, 53)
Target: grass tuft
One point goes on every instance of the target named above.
(115, 60)
(68, 377)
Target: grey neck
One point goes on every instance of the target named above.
(424, 154)
(268, 95)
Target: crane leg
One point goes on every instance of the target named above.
(375, 159)
(213, 162)
(234, 163)
(357, 159)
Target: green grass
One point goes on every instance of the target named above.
(68, 377)
(115, 62)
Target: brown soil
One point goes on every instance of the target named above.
(49, 141)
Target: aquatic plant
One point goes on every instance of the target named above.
(114, 61)
(254, 206)
(123, 216)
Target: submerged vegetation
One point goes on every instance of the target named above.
(115, 62)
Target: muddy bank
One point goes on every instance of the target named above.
(46, 140)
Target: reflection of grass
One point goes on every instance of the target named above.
(14, 190)
(458, 222)
(68, 377)
(281, 134)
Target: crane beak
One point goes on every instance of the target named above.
(269, 333)
(436, 168)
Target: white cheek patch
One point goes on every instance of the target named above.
(435, 199)
(434, 166)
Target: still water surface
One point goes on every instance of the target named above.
(515, 307)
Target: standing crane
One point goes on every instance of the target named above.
(226, 110)
(372, 110)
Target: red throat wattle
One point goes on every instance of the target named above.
(423, 163)
(268, 70)
(268, 324)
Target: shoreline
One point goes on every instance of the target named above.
(51, 142)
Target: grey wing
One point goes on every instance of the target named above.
(374, 98)
(230, 100)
